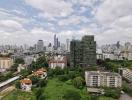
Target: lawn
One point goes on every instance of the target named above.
(105, 98)
(56, 89)
(19, 95)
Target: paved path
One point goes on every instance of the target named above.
(125, 97)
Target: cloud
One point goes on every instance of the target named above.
(74, 20)
(51, 9)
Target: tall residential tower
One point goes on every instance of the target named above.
(83, 53)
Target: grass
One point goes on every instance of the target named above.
(56, 89)
(105, 98)
(19, 95)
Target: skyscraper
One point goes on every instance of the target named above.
(83, 53)
(56, 42)
(40, 46)
(68, 45)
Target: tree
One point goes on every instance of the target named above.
(17, 85)
(39, 93)
(72, 74)
(19, 61)
(58, 71)
(114, 93)
(78, 82)
(24, 72)
(14, 67)
(72, 95)
(42, 83)
(63, 77)
(34, 79)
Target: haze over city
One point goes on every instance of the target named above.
(27, 21)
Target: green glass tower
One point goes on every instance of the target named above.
(83, 52)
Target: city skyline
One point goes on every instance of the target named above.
(27, 21)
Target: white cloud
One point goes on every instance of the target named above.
(10, 24)
(74, 20)
(51, 9)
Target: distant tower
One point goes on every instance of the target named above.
(68, 45)
(55, 42)
(118, 44)
(40, 46)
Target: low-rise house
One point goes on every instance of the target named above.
(58, 61)
(42, 73)
(126, 73)
(26, 84)
(103, 79)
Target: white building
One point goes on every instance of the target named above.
(5, 63)
(126, 73)
(58, 61)
(102, 79)
(26, 84)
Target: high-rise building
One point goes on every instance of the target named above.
(68, 45)
(56, 42)
(40, 46)
(83, 53)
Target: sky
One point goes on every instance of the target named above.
(27, 21)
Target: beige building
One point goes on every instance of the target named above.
(58, 61)
(5, 63)
(126, 73)
(102, 79)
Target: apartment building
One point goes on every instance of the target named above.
(83, 52)
(126, 73)
(58, 61)
(102, 79)
(5, 63)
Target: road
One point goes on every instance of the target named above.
(125, 97)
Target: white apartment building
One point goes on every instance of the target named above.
(102, 79)
(58, 61)
(5, 63)
(126, 73)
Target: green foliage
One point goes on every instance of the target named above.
(24, 73)
(114, 93)
(78, 82)
(34, 79)
(127, 89)
(17, 84)
(6, 76)
(72, 74)
(72, 95)
(14, 67)
(39, 93)
(63, 78)
(42, 83)
(41, 62)
(19, 61)
(58, 71)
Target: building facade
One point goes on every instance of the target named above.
(58, 61)
(126, 73)
(83, 53)
(102, 79)
(5, 63)
(40, 46)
